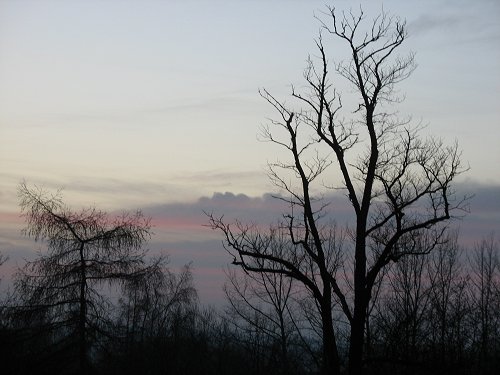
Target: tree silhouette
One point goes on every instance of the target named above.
(398, 182)
(261, 303)
(485, 277)
(61, 293)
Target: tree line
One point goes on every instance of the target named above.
(389, 291)
(95, 303)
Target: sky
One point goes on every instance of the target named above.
(155, 105)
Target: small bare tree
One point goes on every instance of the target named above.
(443, 273)
(61, 290)
(485, 275)
(3, 259)
(151, 303)
(397, 182)
(399, 314)
(263, 301)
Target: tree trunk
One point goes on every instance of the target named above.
(356, 343)
(82, 318)
(284, 366)
(360, 301)
(331, 361)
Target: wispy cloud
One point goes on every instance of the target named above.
(464, 26)
(430, 22)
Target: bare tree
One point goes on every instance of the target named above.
(3, 303)
(423, 319)
(397, 182)
(485, 276)
(446, 286)
(62, 289)
(156, 313)
(3, 259)
(151, 303)
(264, 301)
(271, 252)
(401, 314)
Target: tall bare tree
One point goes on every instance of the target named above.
(397, 182)
(62, 288)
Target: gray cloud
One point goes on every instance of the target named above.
(209, 257)
(181, 231)
(484, 215)
(484, 207)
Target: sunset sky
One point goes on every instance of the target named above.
(155, 105)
